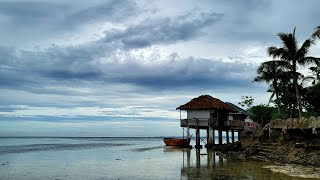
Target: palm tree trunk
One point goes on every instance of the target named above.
(296, 87)
(274, 83)
(292, 110)
(278, 103)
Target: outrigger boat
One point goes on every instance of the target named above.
(177, 142)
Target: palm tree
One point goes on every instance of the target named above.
(316, 33)
(290, 53)
(316, 72)
(272, 72)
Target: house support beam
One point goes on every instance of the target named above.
(232, 136)
(227, 136)
(188, 132)
(183, 133)
(198, 139)
(220, 136)
(210, 137)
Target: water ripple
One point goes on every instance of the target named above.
(55, 147)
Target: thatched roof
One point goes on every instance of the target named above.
(302, 123)
(205, 102)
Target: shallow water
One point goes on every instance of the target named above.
(118, 158)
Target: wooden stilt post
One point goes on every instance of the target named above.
(220, 136)
(197, 158)
(188, 158)
(208, 138)
(232, 136)
(227, 136)
(209, 158)
(214, 137)
(183, 133)
(198, 139)
(198, 136)
(220, 160)
(188, 132)
(212, 142)
(214, 158)
(211, 132)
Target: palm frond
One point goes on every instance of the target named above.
(316, 33)
(304, 49)
(271, 97)
(304, 80)
(289, 41)
(275, 52)
(309, 60)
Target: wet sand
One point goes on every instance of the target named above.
(294, 170)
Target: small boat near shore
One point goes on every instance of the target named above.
(177, 142)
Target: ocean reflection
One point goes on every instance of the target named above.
(207, 164)
(203, 166)
(198, 163)
(202, 157)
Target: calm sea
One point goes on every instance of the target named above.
(117, 158)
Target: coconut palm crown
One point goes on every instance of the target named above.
(294, 55)
(273, 72)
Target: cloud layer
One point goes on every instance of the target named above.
(132, 62)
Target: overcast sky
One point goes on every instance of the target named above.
(120, 68)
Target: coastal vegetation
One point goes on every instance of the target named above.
(293, 94)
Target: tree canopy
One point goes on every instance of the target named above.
(290, 94)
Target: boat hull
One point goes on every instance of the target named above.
(177, 142)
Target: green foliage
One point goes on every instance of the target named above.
(286, 84)
(278, 115)
(316, 72)
(262, 114)
(246, 101)
(313, 98)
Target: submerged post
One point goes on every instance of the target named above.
(209, 158)
(198, 158)
(188, 158)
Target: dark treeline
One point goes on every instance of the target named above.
(292, 94)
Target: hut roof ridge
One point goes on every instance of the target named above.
(237, 108)
(205, 102)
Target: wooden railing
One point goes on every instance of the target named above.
(198, 122)
(241, 124)
(214, 122)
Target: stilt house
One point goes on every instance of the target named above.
(207, 112)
